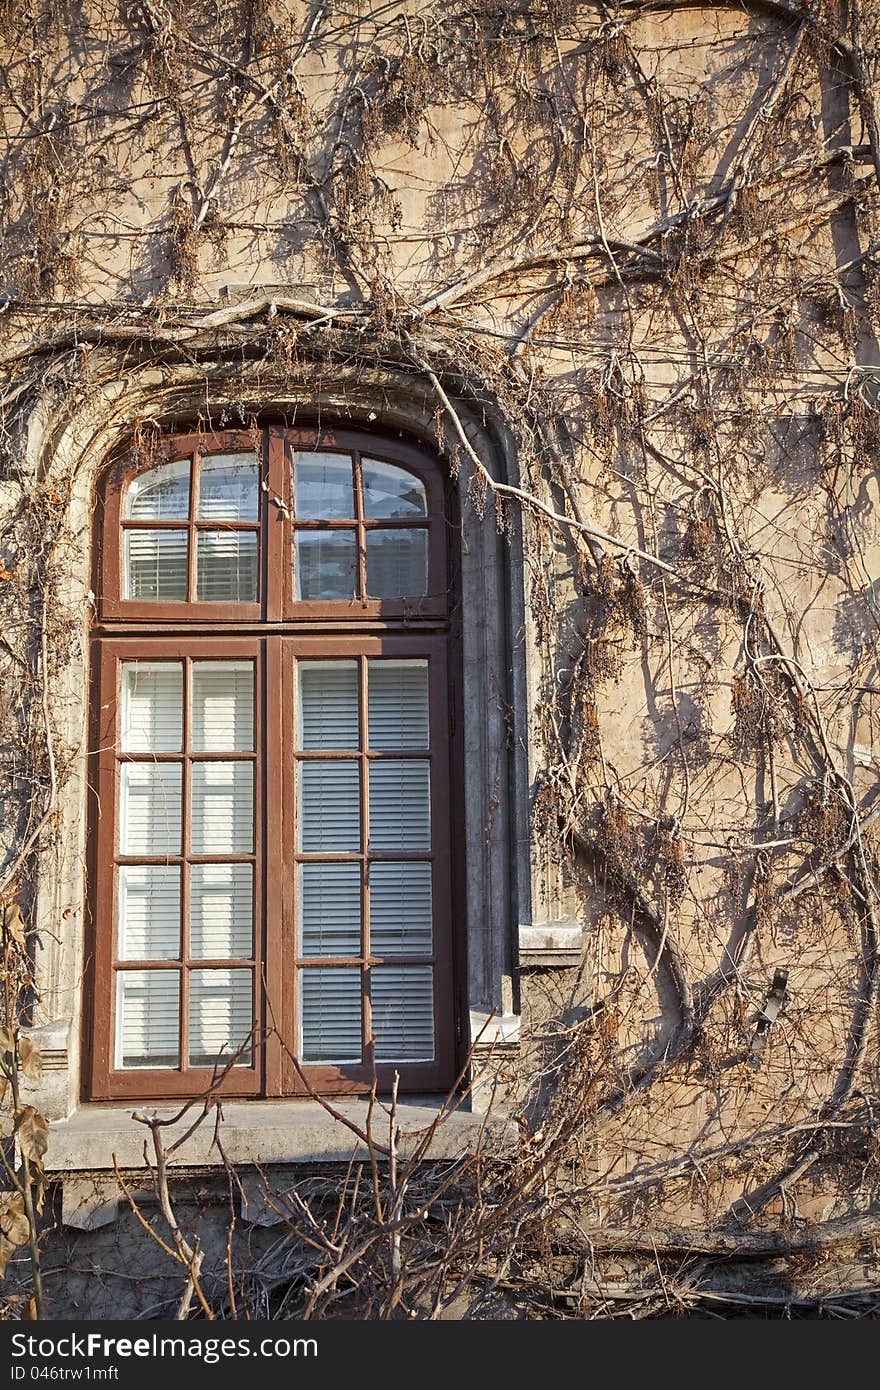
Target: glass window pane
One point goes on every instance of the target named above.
(323, 487)
(221, 911)
(400, 811)
(402, 1005)
(400, 909)
(222, 808)
(330, 909)
(149, 808)
(152, 707)
(391, 493)
(221, 1015)
(156, 566)
(398, 704)
(162, 494)
(397, 563)
(329, 807)
(149, 912)
(227, 567)
(328, 704)
(330, 1015)
(229, 488)
(148, 1018)
(223, 706)
(326, 565)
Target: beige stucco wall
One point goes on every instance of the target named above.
(552, 315)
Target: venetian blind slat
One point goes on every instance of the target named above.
(156, 565)
(229, 488)
(402, 1003)
(400, 909)
(221, 911)
(149, 912)
(222, 817)
(398, 704)
(152, 707)
(329, 807)
(328, 704)
(162, 494)
(223, 706)
(148, 1018)
(149, 808)
(330, 1008)
(226, 567)
(220, 1015)
(330, 909)
(400, 811)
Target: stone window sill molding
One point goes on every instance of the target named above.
(256, 1134)
(553, 943)
(253, 1132)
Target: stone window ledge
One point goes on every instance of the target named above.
(557, 944)
(253, 1132)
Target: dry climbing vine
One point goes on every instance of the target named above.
(641, 239)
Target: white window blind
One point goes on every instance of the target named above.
(402, 1010)
(330, 909)
(329, 807)
(152, 707)
(156, 564)
(328, 704)
(149, 808)
(220, 1013)
(398, 704)
(223, 706)
(221, 895)
(222, 817)
(149, 912)
(400, 812)
(400, 909)
(400, 905)
(226, 567)
(229, 488)
(330, 1015)
(162, 494)
(148, 1018)
(221, 912)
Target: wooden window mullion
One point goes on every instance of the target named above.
(364, 784)
(185, 820)
(192, 533)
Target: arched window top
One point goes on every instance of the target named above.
(274, 524)
(160, 494)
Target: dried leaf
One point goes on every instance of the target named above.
(31, 1059)
(32, 1133)
(6, 1040)
(13, 923)
(13, 1221)
(7, 1250)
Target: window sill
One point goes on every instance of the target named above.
(253, 1132)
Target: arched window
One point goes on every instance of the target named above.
(272, 846)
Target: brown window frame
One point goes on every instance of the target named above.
(275, 633)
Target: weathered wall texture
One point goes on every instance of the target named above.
(619, 262)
